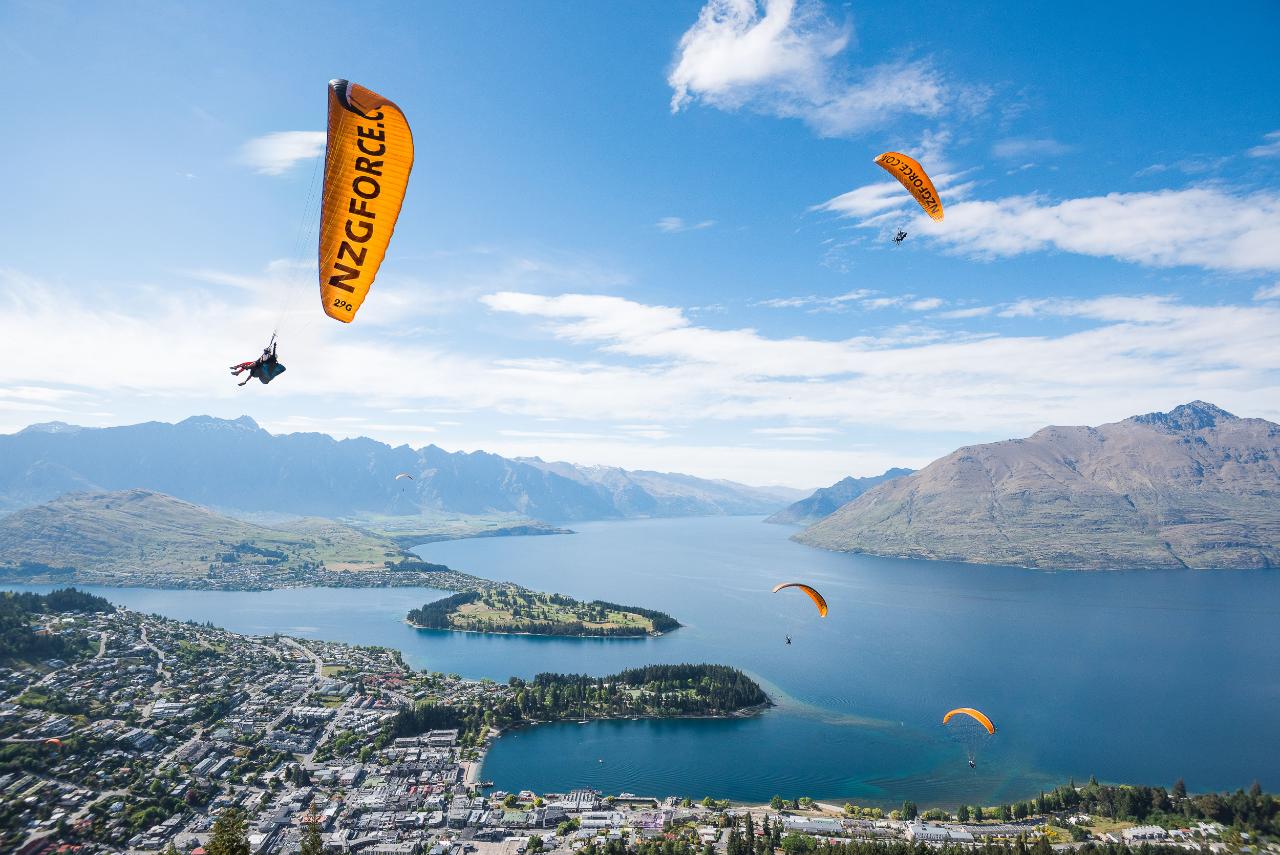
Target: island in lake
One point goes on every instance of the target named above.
(512, 609)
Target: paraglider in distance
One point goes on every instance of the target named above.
(403, 475)
(900, 236)
(817, 598)
(368, 157)
(54, 741)
(972, 729)
(977, 716)
(913, 177)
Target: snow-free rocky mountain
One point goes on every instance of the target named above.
(827, 500)
(1195, 487)
(236, 465)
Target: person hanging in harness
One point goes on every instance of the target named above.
(266, 367)
(900, 236)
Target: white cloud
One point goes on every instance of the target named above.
(676, 224)
(1021, 148)
(863, 298)
(1207, 227)
(1135, 354)
(1268, 292)
(784, 58)
(277, 153)
(620, 370)
(1269, 148)
(960, 314)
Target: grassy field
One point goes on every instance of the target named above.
(518, 610)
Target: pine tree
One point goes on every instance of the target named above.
(230, 834)
(1180, 789)
(963, 813)
(311, 842)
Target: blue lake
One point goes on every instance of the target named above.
(1139, 677)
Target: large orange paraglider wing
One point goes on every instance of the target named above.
(818, 599)
(977, 716)
(366, 170)
(912, 176)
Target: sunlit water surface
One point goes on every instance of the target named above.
(1135, 677)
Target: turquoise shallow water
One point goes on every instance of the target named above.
(1138, 677)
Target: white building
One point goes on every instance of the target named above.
(929, 833)
(1144, 832)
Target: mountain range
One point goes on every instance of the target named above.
(1194, 487)
(236, 465)
(827, 500)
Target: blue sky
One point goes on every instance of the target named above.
(652, 235)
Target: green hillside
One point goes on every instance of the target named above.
(138, 537)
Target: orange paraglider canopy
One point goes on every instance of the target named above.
(367, 161)
(817, 598)
(912, 176)
(977, 716)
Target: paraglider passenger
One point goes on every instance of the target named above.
(900, 236)
(266, 367)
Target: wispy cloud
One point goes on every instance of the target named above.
(1269, 148)
(277, 153)
(863, 298)
(786, 58)
(677, 224)
(1132, 353)
(1022, 148)
(1269, 292)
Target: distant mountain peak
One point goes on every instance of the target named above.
(828, 499)
(1196, 415)
(52, 427)
(1195, 487)
(242, 423)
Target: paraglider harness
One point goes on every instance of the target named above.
(900, 236)
(265, 368)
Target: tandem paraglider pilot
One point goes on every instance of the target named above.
(266, 367)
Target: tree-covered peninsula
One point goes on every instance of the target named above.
(512, 609)
(654, 691)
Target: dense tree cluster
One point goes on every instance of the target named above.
(662, 622)
(436, 615)
(542, 614)
(413, 565)
(18, 612)
(240, 550)
(1253, 810)
(652, 691)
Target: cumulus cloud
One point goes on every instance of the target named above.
(277, 153)
(785, 58)
(1207, 227)
(1269, 148)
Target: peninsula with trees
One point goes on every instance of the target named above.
(513, 609)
